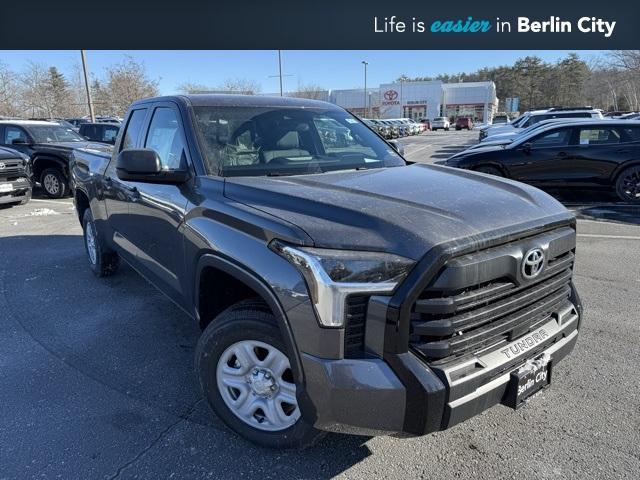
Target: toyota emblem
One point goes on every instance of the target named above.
(2, 165)
(390, 95)
(533, 263)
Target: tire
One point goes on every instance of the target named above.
(458, 128)
(53, 183)
(103, 262)
(628, 184)
(238, 335)
(490, 170)
(446, 129)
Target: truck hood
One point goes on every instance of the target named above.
(9, 154)
(404, 210)
(481, 148)
(66, 147)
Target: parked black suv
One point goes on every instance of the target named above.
(338, 288)
(577, 153)
(49, 146)
(15, 177)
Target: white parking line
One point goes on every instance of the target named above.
(597, 235)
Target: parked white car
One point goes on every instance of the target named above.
(440, 123)
(531, 118)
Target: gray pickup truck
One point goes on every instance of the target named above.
(338, 288)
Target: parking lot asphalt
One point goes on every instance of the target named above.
(97, 381)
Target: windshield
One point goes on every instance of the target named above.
(53, 134)
(257, 141)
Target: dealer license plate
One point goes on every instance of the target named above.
(6, 187)
(528, 379)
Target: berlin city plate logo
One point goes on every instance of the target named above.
(533, 263)
(390, 95)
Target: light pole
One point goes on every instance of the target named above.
(86, 85)
(401, 96)
(365, 86)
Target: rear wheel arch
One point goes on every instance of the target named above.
(42, 162)
(82, 203)
(621, 168)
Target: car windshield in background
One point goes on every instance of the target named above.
(272, 141)
(54, 134)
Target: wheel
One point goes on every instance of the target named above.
(458, 128)
(53, 183)
(490, 170)
(628, 184)
(446, 129)
(246, 377)
(102, 261)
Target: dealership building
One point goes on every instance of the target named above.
(419, 100)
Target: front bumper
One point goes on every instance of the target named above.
(20, 190)
(403, 395)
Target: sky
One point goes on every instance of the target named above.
(327, 69)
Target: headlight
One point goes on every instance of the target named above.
(333, 275)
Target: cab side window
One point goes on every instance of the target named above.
(12, 133)
(132, 132)
(165, 138)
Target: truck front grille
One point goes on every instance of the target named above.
(12, 168)
(447, 323)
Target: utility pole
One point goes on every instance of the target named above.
(280, 74)
(365, 86)
(280, 69)
(86, 85)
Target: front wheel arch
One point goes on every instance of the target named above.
(265, 293)
(498, 167)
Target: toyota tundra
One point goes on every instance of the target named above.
(338, 287)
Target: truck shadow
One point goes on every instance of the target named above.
(124, 335)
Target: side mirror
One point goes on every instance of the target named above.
(526, 148)
(397, 147)
(144, 165)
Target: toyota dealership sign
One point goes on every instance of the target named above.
(390, 98)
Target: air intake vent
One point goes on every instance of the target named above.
(355, 321)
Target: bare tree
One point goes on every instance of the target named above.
(242, 86)
(311, 91)
(190, 88)
(36, 96)
(125, 83)
(9, 92)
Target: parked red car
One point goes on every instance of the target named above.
(464, 122)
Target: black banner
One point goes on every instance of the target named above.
(325, 24)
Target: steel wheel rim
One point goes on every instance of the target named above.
(51, 184)
(256, 383)
(90, 238)
(631, 185)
